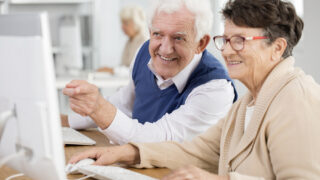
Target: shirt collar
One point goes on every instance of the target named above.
(179, 80)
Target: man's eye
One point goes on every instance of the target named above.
(178, 38)
(156, 34)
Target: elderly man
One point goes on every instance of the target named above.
(178, 89)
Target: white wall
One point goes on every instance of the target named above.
(307, 51)
(108, 32)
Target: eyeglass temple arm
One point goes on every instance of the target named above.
(256, 37)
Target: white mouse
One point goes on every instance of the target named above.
(73, 168)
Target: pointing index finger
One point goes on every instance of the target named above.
(74, 83)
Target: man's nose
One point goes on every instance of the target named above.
(166, 46)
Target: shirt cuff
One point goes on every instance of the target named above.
(120, 129)
(77, 121)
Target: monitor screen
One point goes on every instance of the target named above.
(28, 89)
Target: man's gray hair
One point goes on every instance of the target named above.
(137, 15)
(200, 8)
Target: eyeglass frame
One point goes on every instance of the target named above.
(243, 40)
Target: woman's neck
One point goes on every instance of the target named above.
(256, 80)
(254, 86)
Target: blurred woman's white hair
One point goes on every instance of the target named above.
(137, 15)
(200, 8)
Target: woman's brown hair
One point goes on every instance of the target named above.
(276, 17)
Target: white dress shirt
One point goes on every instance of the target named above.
(249, 112)
(203, 107)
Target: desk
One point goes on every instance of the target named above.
(70, 150)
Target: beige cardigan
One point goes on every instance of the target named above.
(280, 142)
(131, 49)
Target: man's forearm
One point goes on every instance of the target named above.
(104, 114)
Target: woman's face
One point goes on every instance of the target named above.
(128, 27)
(251, 64)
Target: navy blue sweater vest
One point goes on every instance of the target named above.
(151, 103)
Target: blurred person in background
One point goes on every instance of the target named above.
(133, 22)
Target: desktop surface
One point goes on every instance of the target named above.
(70, 150)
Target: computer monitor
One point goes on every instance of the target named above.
(27, 88)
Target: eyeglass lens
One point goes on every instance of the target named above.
(235, 42)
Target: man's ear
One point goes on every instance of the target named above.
(204, 41)
(279, 46)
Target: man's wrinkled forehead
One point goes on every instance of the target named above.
(178, 10)
(181, 33)
(176, 23)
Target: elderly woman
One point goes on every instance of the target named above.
(271, 132)
(133, 23)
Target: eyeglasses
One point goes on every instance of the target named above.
(236, 42)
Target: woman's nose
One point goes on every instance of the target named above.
(227, 49)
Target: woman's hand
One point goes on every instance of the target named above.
(192, 173)
(127, 154)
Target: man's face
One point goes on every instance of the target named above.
(172, 42)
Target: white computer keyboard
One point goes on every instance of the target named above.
(112, 172)
(71, 136)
